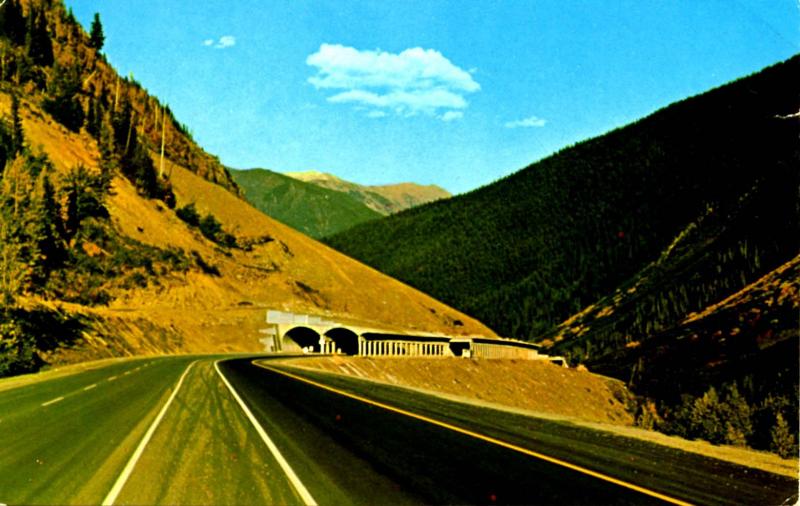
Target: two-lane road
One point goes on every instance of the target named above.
(201, 430)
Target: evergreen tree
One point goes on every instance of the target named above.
(783, 441)
(94, 118)
(17, 137)
(12, 22)
(37, 38)
(109, 160)
(707, 418)
(63, 103)
(85, 194)
(96, 36)
(737, 415)
(6, 146)
(44, 223)
(13, 269)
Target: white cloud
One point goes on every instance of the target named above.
(529, 122)
(376, 114)
(408, 83)
(225, 41)
(451, 116)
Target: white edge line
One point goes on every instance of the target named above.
(287, 469)
(123, 477)
(57, 399)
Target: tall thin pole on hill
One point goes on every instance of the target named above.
(163, 137)
(116, 95)
(130, 128)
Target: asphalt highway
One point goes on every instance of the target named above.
(451, 452)
(222, 430)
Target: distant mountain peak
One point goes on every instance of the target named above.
(313, 175)
(385, 199)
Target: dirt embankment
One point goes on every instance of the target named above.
(537, 386)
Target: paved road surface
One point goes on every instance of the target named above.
(177, 430)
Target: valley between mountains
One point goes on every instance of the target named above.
(616, 323)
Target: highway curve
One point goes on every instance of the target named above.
(440, 465)
(223, 430)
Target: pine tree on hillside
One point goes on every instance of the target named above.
(12, 23)
(63, 103)
(44, 229)
(37, 38)
(17, 137)
(782, 441)
(12, 269)
(96, 36)
(85, 194)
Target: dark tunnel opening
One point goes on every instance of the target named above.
(344, 340)
(303, 337)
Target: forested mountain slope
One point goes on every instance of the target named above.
(307, 207)
(663, 253)
(528, 251)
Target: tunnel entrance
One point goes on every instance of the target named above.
(460, 348)
(299, 338)
(344, 340)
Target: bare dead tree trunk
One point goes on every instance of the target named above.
(130, 129)
(163, 139)
(116, 95)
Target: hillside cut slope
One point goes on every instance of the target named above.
(314, 210)
(385, 199)
(103, 253)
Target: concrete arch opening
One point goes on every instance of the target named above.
(299, 338)
(344, 339)
(460, 348)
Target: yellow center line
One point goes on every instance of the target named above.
(483, 437)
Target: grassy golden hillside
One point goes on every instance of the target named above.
(195, 311)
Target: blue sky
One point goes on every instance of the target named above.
(455, 93)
